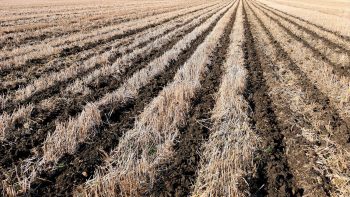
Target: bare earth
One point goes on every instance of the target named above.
(175, 98)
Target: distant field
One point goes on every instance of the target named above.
(175, 98)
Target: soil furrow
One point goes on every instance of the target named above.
(184, 98)
(315, 95)
(82, 32)
(275, 177)
(11, 43)
(37, 71)
(180, 172)
(326, 41)
(21, 141)
(337, 68)
(118, 119)
(22, 27)
(42, 37)
(55, 90)
(291, 122)
(347, 38)
(72, 50)
(299, 158)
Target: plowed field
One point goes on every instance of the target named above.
(175, 98)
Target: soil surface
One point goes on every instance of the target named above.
(73, 50)
(24, 142)
(91, 154)
(296, 157)
(43, 120)
(274, 177)
(288, 162)
(337, 68)
(347, 38)
(181, 170)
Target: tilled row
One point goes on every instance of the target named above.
(107, 108)
(176, 176)
(118, 120)
(314, 19)
(313, 130)
(78, 42)
(43, 32)
(226, 158)
(321, 74)
(107, 52)
(332, 39)
(42, 54)
(9, 19)
(39, 89)
(49, 32)
(66, 39)
(274, 176)
(337, 56)
(55, 22)
(37, 14)
(219, 105)
(67, 105)
(151, 143)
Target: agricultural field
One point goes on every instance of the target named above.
(175, 98)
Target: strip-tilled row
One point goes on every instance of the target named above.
(107, 52)
(75, 104)
(43, 53)
(315, 19)
(46, 32)
(307, 118)
(179, 173)
(336, 56)
(156, 129)
(274, 176)
(107, 108)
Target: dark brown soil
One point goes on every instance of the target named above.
(325, 40)
(72, 50)
(347, 38)
(98, 23)
(21, 141)
(315, 95)
(274, 177)
(297, 158)
(25, 76)
(287, 120)
(39, 96)
(337, 68)
(282, 160)
(63, 180)
(180, 171)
